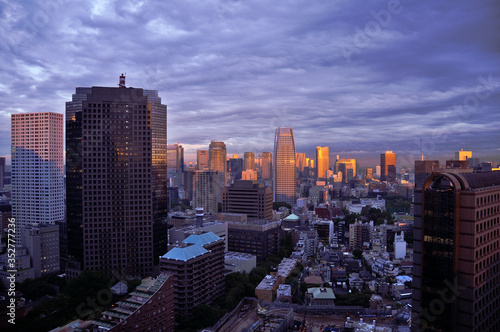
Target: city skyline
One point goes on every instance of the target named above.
(359, 80)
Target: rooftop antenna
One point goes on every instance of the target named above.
(122, 80)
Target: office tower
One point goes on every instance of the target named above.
(115, 178)
(198, 270)
(369, 173)
(42, 243)
(202, 159)
(424, 168)
(249, 161)
(255, 237)
(322, 161)
(348, 168)
(388, 166)
(175, 158)
(267, 165)
(217, 156)
(250, 198)
(377, 170)
(463, 155)
(249, 175)
(301, 161)
(37, 169)
(284, 166)
(2, 171)
(234, 168)
(205, 190)
(456, 253)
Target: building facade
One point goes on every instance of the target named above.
(322, 161)
(249, 161)
(202, 159)
(261, 239)
(198, 270)
(217, 156)
(388, 166)
(206, 185)
(285, 177)
(37, 168)
(250, 198)
(115, 179)
(457, 253)
(267, 165)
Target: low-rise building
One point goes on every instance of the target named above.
(266, 290)
(239, 262)
(284, 293)
(320, 296)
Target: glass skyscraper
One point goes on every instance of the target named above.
(284, 183)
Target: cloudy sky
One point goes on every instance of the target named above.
(359, 76)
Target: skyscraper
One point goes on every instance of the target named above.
(348, 168)
(285, 177)
(322, 161)
(267, 165)
(201, 159)
(217, 155)
(463, 155)
(206, 189)
(116, 185)
(300, 161)
(37, 169)
(2, 171)
(388, 166)
(175, 158)
(249, 161)
(457, 253)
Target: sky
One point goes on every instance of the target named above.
(361, 77)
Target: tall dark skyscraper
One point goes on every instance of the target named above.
(388, 166)
(285, 173)
(116, 179)
(456, 275)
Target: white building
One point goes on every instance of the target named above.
(42, 243)
(399, 246)
(22, 267)
(239, 262)
(37, 168)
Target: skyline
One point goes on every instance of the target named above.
(235, 71)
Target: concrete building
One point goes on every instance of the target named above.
(463, 155)
(38, 191)
(399, 246)
(116, 180)
(266, 290)
(250, 198)
(22, 267)
(300, 161)
(456, 252)
(149, 308)
(239, 262)
(260, 238)
(424, 168)
(198, 270)
(179, 233)
(324, 228)
(250, 175)
(42, 244)
(348, 168)
(285, 178)
(206, 185)
(217, 156)
(320, 296)
(284, 293)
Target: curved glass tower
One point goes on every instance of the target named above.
(284, 183)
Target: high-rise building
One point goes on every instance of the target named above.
(234, 169)
(388, 166)
(175, 158)
(37, 169)
(249, 175)
(205, 190)
(249, 161)
(198, 270)
(456, 262)
(348, 168)
(217, 156)
(285, 173)
(424, 168)
(202, 159)
(115, 178)
(2, 171)
(300, 161)
(369, 173)
(250, 198)
(463, 155)
(322, 161)
(267, 165)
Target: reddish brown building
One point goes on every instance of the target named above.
(250, 198)
(456, 274)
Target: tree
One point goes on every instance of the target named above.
(357, 253)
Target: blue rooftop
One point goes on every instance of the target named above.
(202, 239)
(187, 253)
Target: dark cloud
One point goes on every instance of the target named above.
(361, 77)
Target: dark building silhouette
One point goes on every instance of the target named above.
(261, 239)
(456, 275)
(424, 168)
(116, 180)
(248, 197)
